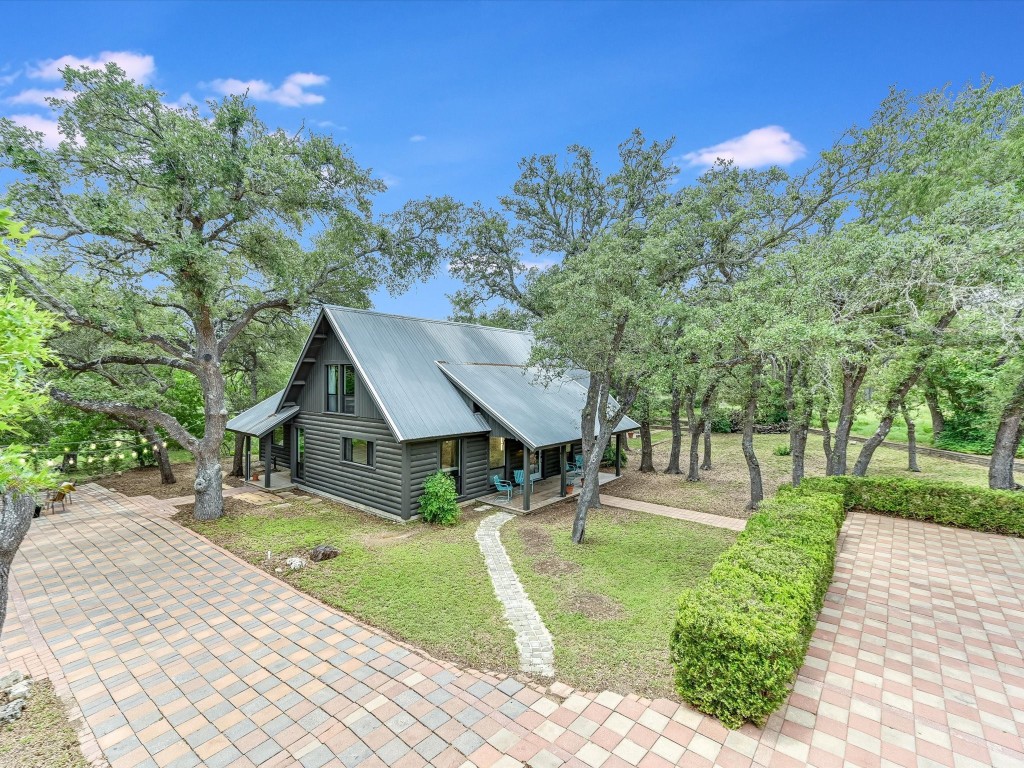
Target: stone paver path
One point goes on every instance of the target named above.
(536, 648)
(718, 521)
(176, 653)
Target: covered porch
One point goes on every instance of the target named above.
(271, 481)
(545, 492)
(269, 426)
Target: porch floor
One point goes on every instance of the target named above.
(545, 493)
(279, 481)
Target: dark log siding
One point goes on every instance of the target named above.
(550, 464)
(379, 487)
(474, 466)
(422, 459)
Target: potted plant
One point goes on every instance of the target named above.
(569, 487)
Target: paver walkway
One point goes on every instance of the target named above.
(177, 653)
(718, 521)
(536, 648)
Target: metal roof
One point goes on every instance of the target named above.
(262, 417)
(396, 357)
(538, 409)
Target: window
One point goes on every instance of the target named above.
(497, 453)
(278, 437)
(341, 389)
(357, 451)
(451, 461)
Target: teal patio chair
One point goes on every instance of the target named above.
(518, 475)
(503, 486)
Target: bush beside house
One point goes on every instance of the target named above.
(439, 503)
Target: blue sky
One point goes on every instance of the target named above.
(444, 98)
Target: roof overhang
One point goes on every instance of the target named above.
(263, 417)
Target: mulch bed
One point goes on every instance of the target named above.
(146, 481)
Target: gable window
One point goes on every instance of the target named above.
(341, 389)
(357, 451)
(450, 455)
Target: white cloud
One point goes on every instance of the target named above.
(51, 136)
(417, 137)
(771, 145)
(390, 179)
(10, 77)
(38, 96)
(291, 93)
(136, 66)
(183, 101)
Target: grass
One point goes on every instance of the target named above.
(425, 585)
(43, 736)
(611, 603)
(656, 436)
(725, 489)
(865, 424)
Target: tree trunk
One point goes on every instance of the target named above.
(798, 412)
(749, 416)
(695, 427)
(897, 398)
(15, 520)
(209, 492)
(1008, 436)
(911, 440)
(589, 496)
(706, 462)
(237, 461)
(853, 377)
(646, 447)
(931, 397)
(160, 453)
(677, 428)
(826, 438)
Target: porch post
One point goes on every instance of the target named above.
(561, 463)
(618, 454)
(266, 460)
(248, 458)
(526, 479)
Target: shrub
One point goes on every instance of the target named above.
(782, 449)
(946, 503)
(742, 633)
(726, 421)
(609, 455)
(439, 502)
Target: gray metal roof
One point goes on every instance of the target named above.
(539, 410)
(396, 357)
(262, 417)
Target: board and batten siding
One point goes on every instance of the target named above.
(313, 396)
(378, 487)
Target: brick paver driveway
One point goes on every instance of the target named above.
(176, 653)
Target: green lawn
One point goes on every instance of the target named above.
(610, 603)
(657, 435)
(865, 424)
(425, 585)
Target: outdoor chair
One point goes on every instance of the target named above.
(62, 496)
(579, 464)
(503, 486)
(518, 475)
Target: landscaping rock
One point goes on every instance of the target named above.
(11, 711)
(11, 678)
(295, 563)
(21, 690)
(323, 552)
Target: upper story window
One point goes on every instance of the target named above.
(341, 389)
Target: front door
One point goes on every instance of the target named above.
(299, 466)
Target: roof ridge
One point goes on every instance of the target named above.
(424, 319)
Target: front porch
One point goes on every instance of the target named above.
(279, 481)
(545, 492)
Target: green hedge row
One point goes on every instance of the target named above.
(742, 633)
(954, 504)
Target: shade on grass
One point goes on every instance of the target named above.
(610, 604)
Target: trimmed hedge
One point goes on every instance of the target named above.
(742, 633)
(946, 503)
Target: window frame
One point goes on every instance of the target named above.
(455, 470)
(339, 376)
(348, 452)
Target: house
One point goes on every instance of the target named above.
(377, 403)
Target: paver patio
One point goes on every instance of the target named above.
(177, 653)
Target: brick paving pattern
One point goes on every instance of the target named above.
(676, 513)
(536, 648)
(177, 653)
